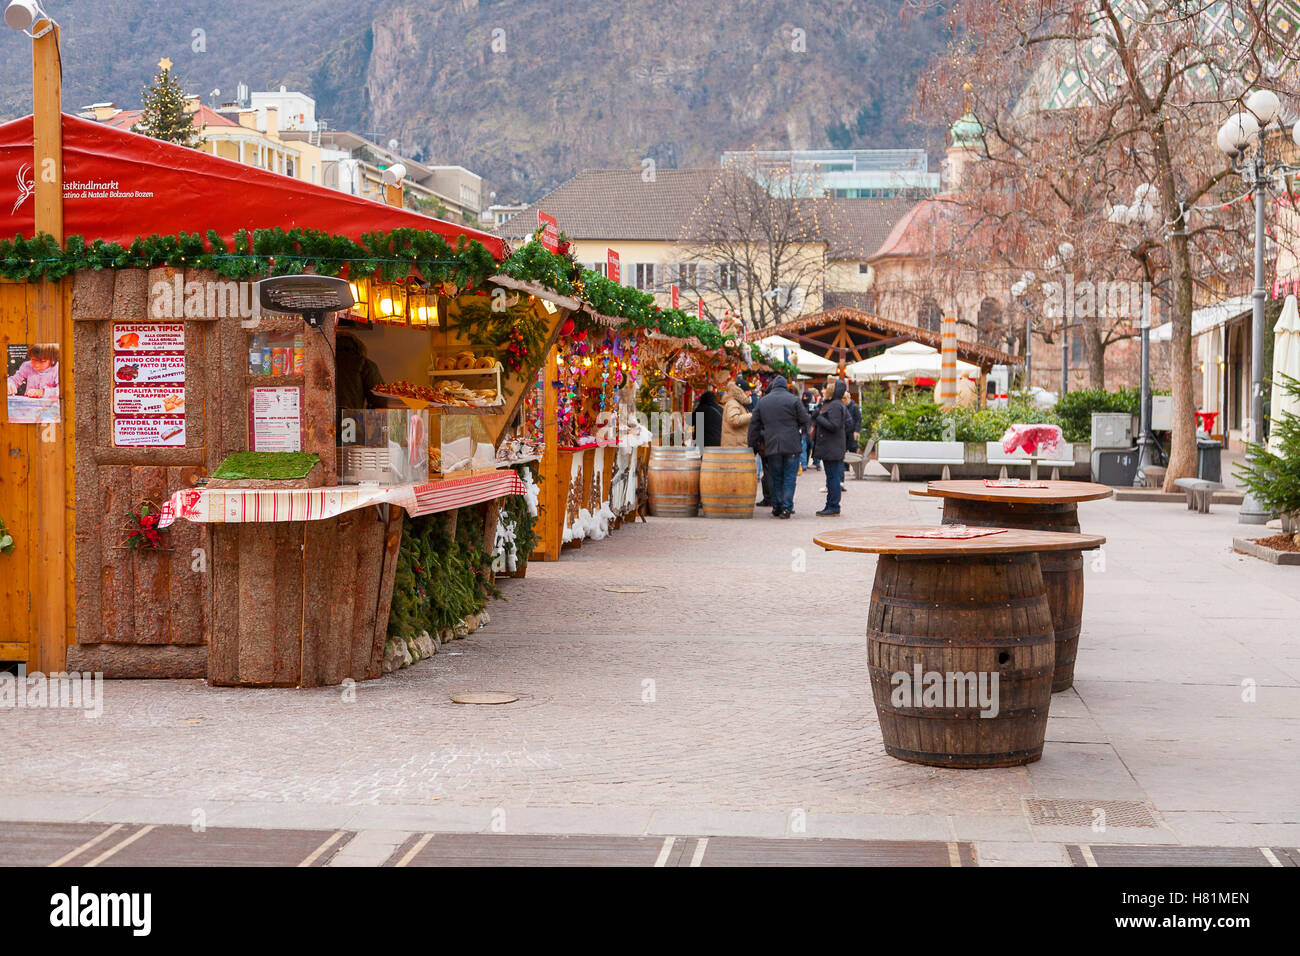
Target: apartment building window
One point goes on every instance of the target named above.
(729, 276)
(649, 276)
(688, 275)
(601, 267)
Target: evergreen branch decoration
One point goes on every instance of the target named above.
(467, 265)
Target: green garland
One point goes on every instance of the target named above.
(439, 578)
(6, 539)
(387, 255)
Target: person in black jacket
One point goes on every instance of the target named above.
(708, 407)
(855, 410)
(833, 424)
(779, 419)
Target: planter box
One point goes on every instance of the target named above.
(1246, 546)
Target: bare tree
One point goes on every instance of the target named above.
(1088, 100)
(760, 237)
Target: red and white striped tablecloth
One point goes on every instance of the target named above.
(237, 505)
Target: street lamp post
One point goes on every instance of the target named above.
(1018, 289)
(1234, 138)
(1142, 211)
(1065, 255)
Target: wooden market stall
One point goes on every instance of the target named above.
(157, 387)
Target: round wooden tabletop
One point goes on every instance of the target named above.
(1056, 492)
(885, 540)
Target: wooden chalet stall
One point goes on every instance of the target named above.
(845, 336)
(154, 331)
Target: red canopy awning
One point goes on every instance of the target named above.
(119, 185)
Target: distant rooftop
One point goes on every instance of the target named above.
(833, 160)
(843, 173)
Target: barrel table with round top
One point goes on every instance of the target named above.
(1053, 508)
(959, 642)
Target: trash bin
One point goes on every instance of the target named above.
(1208, 467)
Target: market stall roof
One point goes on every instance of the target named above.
(1209, 318)
(851, 335)
(908, 360)
(118, 185)
(806, 361)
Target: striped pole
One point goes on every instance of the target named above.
(948, 356)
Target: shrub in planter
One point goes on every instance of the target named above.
(874, 401)
(914, 420)
(911, 420)
(1275, 479)
(1074, 409)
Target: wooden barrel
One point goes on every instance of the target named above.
(1062, 570)
(674, 482)
(728, 482)
(960, 654)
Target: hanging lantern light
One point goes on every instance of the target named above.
(361, 293)
(421, 307)
(390, 303)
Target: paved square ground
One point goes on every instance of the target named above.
(729, 698)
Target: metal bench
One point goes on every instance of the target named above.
(1199, 492)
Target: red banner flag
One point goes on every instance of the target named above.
(676, 302)
(550, 232)
(613, 271)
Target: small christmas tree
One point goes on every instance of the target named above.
(1275, 478)
(164, 115)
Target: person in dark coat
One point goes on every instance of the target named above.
(779, 419)
(855, 410)
(833, 424)
(708, 407)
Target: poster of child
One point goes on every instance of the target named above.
(32, 384)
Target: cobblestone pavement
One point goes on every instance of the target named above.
(731, 697)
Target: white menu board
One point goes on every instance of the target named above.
(149, 432)
(149, 400)
(147, 369)
(275, 419)
(149, 337)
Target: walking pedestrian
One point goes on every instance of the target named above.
(832, 425)
(778, 419)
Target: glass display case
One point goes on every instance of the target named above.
(385, 445)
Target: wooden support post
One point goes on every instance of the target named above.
(50, 480)
(554, 486)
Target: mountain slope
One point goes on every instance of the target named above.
(526, 92)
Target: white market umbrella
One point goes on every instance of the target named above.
(809, 363)
(907, 360)
(1286, 361)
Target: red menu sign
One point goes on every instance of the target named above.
(149, 384)
(550, 232)
(613, 270)
(673, 293)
